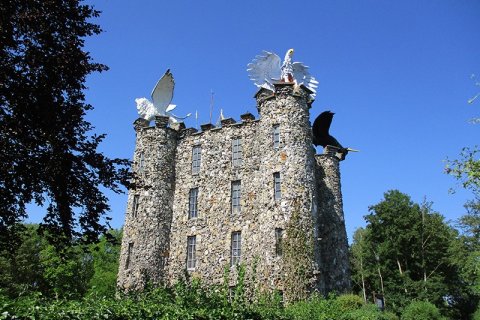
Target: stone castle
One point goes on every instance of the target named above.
(251, 192)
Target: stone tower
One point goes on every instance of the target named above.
(146, 233)
(251, 193)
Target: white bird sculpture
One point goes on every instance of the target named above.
(267, 69)
(162, 95)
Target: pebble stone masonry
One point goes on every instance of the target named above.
(157, 224)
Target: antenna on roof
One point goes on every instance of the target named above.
(211, 104)
(196, 119)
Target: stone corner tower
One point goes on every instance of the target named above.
(146, 233)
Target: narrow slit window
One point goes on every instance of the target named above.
(135, 205)
(141, 162)
(191, 252)
(237, 152)
(276, 136)
(277, 188)
(236, 252)
(236, 193)
(129, 255)
(196, 159)
(278, 242)
(193, 203)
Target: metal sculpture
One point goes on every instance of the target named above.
(268, 68)
(162, 95)
(322, 137)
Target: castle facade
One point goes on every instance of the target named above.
(251, 192)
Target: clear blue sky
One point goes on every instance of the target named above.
(396, 73)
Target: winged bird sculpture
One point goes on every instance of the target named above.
(162, 95)
(266, 69)
(322, 137)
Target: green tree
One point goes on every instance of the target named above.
(405, 253)
(48, 156)
(36, 266)
(20, 271)
(105, 256)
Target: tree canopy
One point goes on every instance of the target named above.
(406, 253)
(49, 156)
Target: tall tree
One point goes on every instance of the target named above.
(48, 154)
(405, 254)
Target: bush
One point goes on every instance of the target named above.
(349, 302)
(476, 315)
(368, 312)
(421, 310)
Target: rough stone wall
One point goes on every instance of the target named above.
(215, 222)
(145, 242)
(332, 232)
(161, 226)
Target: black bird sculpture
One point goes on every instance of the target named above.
(322, 137)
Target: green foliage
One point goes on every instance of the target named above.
(48, 155)
(421, 310)
(105, 256)
(186, 300)
(67, 274)
(349, 302)
(476, 315)
(37, 267)
(297, 252)
(404, 252)
(368, 312)
(466, 169)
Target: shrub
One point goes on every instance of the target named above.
(368, 312)
(348, 302)
(476, 315)
(421, 310)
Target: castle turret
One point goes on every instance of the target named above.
(332, 233)
(146, 233)
(289, 171)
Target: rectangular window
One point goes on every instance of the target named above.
(191, 252)
(129, 255)
(193, 203)
(135, 205)
(237, 152)
(196, 159)
(277, 187)
(236, 192)
(278, 242)
(236, 248)
(276, 136)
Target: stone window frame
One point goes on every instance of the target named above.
(193, 203)
(277, 186)
(129, 255)
(135, 205)
(236, 193)
(237, 156)
(191, 252)
(196, 158)
(276, 136)
(279, 242)
(235, 248)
